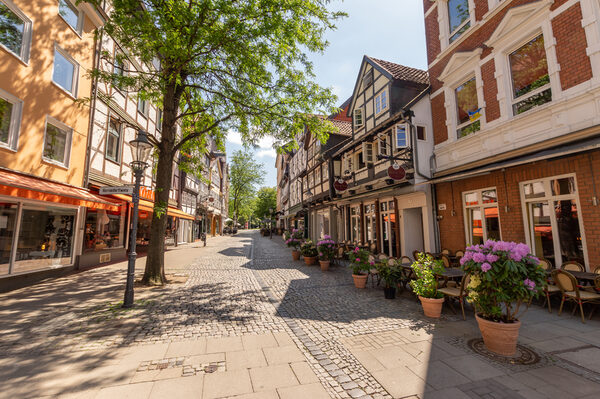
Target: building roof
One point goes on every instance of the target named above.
(344, 127)
(402, 72)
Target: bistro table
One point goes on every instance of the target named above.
(580, 276)
(451, 274)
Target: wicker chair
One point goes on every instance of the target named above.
(415, 254)
(446, 261)
(572, 266)
(373, 247)
(446, 251)
(406, 259)
(459, 293)
(597, 270)
(373, 272)
(551, 288)
(571, 292)
(459, 253)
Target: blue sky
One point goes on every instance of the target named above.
(391, 30)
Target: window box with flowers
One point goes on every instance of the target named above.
(504, 275)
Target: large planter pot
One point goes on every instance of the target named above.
(432, 307)
(295, 254)
(360, 280)
(389, 292)
(310, 260)
(324, 265)
(500, 338)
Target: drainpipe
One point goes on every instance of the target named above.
(436, 226)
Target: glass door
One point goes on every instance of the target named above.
(388, 228)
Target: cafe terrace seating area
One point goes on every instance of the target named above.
(570, 285)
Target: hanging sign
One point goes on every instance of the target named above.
(340, 185)
(116, 190)
(396, 172)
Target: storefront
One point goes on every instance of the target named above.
(41, 223)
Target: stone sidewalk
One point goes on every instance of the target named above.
(243, 320)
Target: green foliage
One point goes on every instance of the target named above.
(266, 198)
(308, 249)
(244, 175)
(326, 248)
(425, 269)
(360, 260)
(390, 273)
(295, 239)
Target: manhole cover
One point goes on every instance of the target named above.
(524, 356)
(210, 369)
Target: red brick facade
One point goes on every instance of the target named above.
(585, 166)
(490, 91)
(438, 112)
(571, 44)
(481, 7)
(432, 34)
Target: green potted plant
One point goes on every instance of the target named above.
(309, 252)
(504, 275)
(295, 241)
(326, 249)
(360, 264)
(391, 275)
(424, 286)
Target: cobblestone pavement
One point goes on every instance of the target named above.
(358, 344)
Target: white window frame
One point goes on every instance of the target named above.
(356, 159)
(68, 142)
(481, 206)
(358, 114)
(444, 24)
(367, 151)
(120, 146)
(381, 102)
(459, 27)
(550, 199)
(27, 32)
(79, 28)
(532, 93)
(395, 136)
(383, 145)
(73, 93)
(15, 121)
(146, 107)
(469, 122)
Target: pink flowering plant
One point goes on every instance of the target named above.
(326, 248)
(504, 275)
(359, 260)
(295, 239)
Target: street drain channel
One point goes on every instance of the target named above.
(523, 357)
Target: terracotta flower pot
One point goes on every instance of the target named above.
(310, 260)
(360, 280)
(295, 254)
(500, 338)
(324, 265)
(432, 307)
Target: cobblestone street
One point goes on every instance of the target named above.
(242, 319)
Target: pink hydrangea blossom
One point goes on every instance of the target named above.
(486, 267)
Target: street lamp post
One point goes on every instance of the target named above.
(271, 223)
(140, 151)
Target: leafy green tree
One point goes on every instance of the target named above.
(218, 65)
(245, 174)
(266, 198)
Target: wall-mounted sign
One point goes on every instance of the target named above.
(147, 193)
(340, 185)
(396, 172)
(116, 190)
(441, 207)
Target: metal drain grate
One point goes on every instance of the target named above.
(524, 356)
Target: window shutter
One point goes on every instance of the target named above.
(368, 152)
(358, 117)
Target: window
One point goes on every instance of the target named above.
(57, 142)
(370, 223)
(458, 18)
(358, 117)
(401, 136)
(10, 117)
(119, 72)
(482, 220)
(15, 32)
(142, 107)
(467, 109)
(355, 231)
(381, 102)
(421, 133)
(318, 175)
(70, 14)
(325, 171)
(553, 226)
(360, 162)
(383, 145)
(113, 140)
(368, 152)
(159, 113)
(368, 79)
(530, 79)
(66, 71)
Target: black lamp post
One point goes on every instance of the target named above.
(140, 151)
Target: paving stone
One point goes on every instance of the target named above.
(311, 391)
(272, 377)
(304, 373)
(229, 383)
(283, 354)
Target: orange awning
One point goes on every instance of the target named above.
(34, 188)
(148, 206)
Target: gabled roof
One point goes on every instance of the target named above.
(401, 72)
(344, 127)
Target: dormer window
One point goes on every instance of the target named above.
(381, 102)
(358, 117)
(458, 18)
(468, 111)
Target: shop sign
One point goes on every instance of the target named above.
(340, 185)
(116, 190)
(147, 193)
(396, 172)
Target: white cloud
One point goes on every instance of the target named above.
(266, 142)
(267, 153)
(234, 137)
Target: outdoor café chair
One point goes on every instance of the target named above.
(551, 288)
(415, 254)
(445, 251)
(446, 261)
(459, 293)
(373, 247)
(571, 292)
(572, 266)
(459, 254)
(382, 257)
(597, 270)
(406, 259)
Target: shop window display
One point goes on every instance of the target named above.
(45, 239)
(8, 217)
(102, 230)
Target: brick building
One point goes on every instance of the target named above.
(515, 98)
